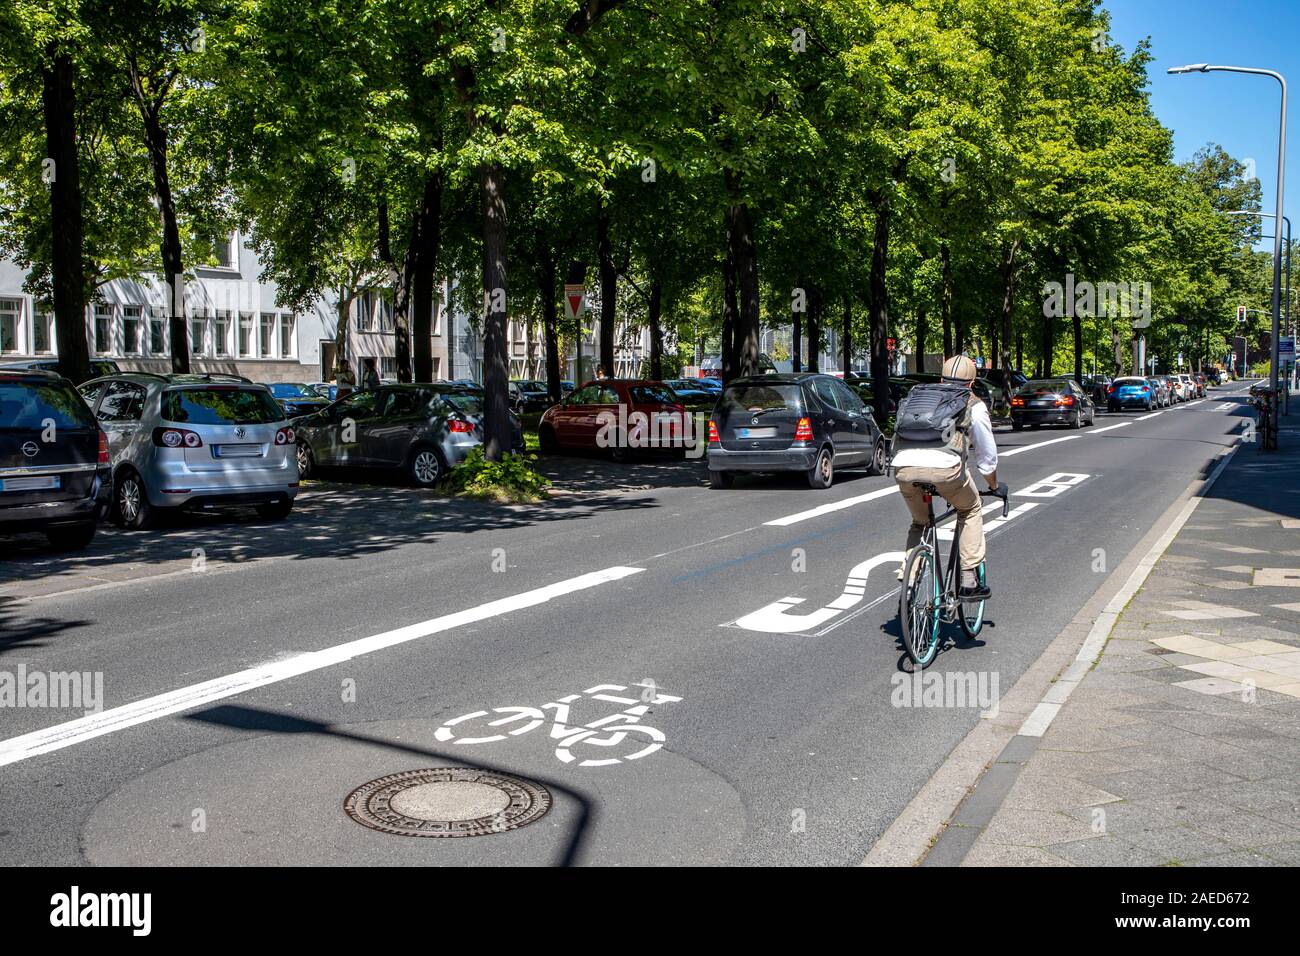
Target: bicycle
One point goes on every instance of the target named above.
(1262, 400)
(928, 595)
(610, 731)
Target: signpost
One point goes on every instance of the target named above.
(575, 303)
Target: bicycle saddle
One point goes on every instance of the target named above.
(926, 487)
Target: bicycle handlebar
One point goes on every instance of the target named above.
(1001, 492)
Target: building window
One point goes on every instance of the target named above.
(157, 339)
(220, 333)
(437, 367)
(387, 367)
(197, 324)
(385, 315)
(267, 340)
(103, 329)
(131, 329)
(226, 252)
(365, 315)
(10, 309)
(286, 335)
(245, 335)
(43, 333)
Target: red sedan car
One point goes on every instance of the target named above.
(619, 416)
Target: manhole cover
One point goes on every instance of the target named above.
(447, 802)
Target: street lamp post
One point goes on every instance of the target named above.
(1286, 222)
(1277, 233)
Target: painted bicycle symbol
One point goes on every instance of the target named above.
(608, 732)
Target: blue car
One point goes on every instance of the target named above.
(1130, 392)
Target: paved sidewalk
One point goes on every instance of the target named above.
(1182, 745)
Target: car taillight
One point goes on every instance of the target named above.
(1111, 390)
(803, 431)
(1067, 401)
(1145, 389)
(103, 449)
(176, 438)
(1018, 402)
(284, 436)
(460, 427)
(713, 434)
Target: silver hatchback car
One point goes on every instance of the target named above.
(193, 441)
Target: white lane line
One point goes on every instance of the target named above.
(186, 698)
(833, 506)
(1098, 431)
(1023, 448)
(1145, 417)
(1041, 717)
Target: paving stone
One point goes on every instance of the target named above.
(1107, 851)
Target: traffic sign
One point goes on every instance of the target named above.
(1286, 348)
(575, 300)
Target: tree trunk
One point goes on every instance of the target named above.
(945, 300)
(796, 328)
(878, 311)
(656, 332)
(730, 317)
(495, 369)
(546, 272)
(1049, 346)
(1009, 273)
(814, 328)
(428, 233)
(67, 268)
(346, 295)
(920, 339)
(746, 338)
(155, 138)
(608, 289)
(1077, 324)
(846, 336)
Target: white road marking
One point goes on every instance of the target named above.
(833, 506)
(773, 618)
(1143, 418)
(1098, 431)
(186, 698)
(1024, 448)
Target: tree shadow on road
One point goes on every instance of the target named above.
(19, 630)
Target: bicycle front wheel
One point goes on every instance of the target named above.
(919, 606)
(972, 612)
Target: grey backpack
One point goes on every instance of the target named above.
(934, 415)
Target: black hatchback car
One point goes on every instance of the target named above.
(803, 422)
(55, 475)
(423, 430)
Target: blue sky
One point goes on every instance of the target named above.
(1238, 112)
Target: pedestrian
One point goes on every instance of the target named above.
(369, 374)
(600, 372)
(347, 382)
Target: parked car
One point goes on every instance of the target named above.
(1130, 391)
(1177, 390)
(1201, 384)
(326, 390)
(529, 395)
(423, 430)
(297, 399)
(582, 421)
(865, 390)
(55, 475)
(981, 387)
(566, 387)
(1189, 386)
(98, 367)
(192, 442)
(992, 380)
(1056, 401)
(1097, 387)
(1159, 391)
(691, 392)
(806, 422)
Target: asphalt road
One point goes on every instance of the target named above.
(255, 694)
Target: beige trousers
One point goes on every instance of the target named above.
(958, 489)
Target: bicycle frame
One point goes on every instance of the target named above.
(947, 573)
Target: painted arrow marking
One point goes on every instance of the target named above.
(776, 619)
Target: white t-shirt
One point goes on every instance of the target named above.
(983, 449)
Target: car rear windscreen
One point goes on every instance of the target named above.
(220, 406)
(652, 395)
(465, 403)
(1137, 382)
(32, 406)
(761, 398)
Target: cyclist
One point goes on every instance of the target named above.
(943, 465)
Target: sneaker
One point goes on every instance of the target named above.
(970, 588)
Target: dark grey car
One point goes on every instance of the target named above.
(804, 422)
(423, 430)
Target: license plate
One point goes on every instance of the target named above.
(756, 432)
(1044, 403)
(237, 451)
(29, 484)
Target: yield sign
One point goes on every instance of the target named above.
(575, 300)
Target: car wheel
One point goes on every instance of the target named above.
(721, 479)
(131, 502)
(277, 511)
(822, 474)
(425, 467)
(879, 459)
(1078, 419)
(71, 539)
(306, 460)
(546, 440)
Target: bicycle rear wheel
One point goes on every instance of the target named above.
(972, 612)
(919, 606)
